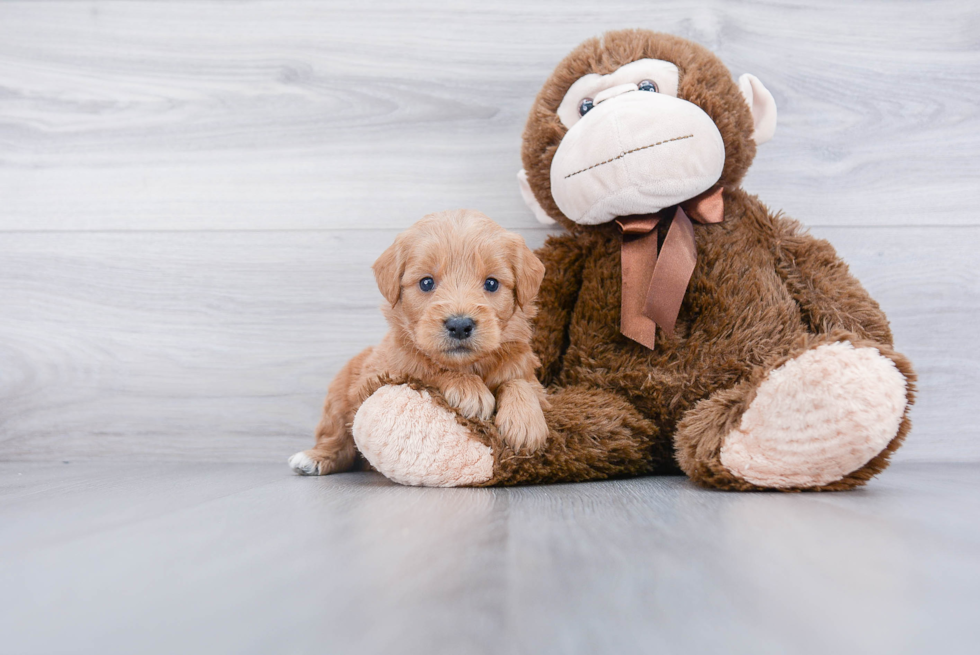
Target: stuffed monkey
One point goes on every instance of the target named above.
(681, 326)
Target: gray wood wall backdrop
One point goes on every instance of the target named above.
(191, 193)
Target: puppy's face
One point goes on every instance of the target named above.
(456, 281)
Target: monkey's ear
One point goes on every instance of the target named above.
(762, 104)
(528, 272)
(531, 201)
(388, 271)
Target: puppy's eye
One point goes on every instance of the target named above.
(426, 284)
(584, 106)
(648, 85)
(491, 284)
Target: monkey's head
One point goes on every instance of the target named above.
(637, 121)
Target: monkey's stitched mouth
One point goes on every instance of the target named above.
(629, 152)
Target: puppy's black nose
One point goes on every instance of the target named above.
(460, 327)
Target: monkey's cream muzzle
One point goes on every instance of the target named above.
(635, 152)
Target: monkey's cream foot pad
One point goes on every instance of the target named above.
(817, 418)
(404, 434)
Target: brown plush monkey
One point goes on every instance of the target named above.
(681, 324)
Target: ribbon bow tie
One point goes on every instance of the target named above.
(654, 285)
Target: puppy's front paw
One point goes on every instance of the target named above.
(520, 420)
(470, 396)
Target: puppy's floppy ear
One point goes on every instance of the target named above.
(528, 271)
(389, 269)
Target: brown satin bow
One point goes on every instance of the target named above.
(654, 286)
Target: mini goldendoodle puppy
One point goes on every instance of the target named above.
(460, 292)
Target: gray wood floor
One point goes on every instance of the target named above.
(245, 558)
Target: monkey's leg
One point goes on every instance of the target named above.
(334, 450)
(827, 417)
(411, 435)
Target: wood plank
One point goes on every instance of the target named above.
(306, 115)
(249, 558)
(218, 346)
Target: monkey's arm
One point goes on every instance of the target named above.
(563, 258)
(829, 296)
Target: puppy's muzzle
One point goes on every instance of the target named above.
(460, 328)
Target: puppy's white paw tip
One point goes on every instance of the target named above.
(304, 464)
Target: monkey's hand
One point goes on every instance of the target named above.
(469, 394)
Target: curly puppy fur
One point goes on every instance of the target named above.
(488, 374)
(763, 291)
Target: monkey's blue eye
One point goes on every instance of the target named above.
(491, 285)
(426, 284)
(648, 85)
(584, 106)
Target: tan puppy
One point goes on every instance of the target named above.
(461, 292)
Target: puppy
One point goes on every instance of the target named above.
(460, 295)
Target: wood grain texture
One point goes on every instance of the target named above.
(213, 115)
(98, 558)
(191, 193)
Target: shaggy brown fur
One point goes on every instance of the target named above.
(489, 373)
(763, 292)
